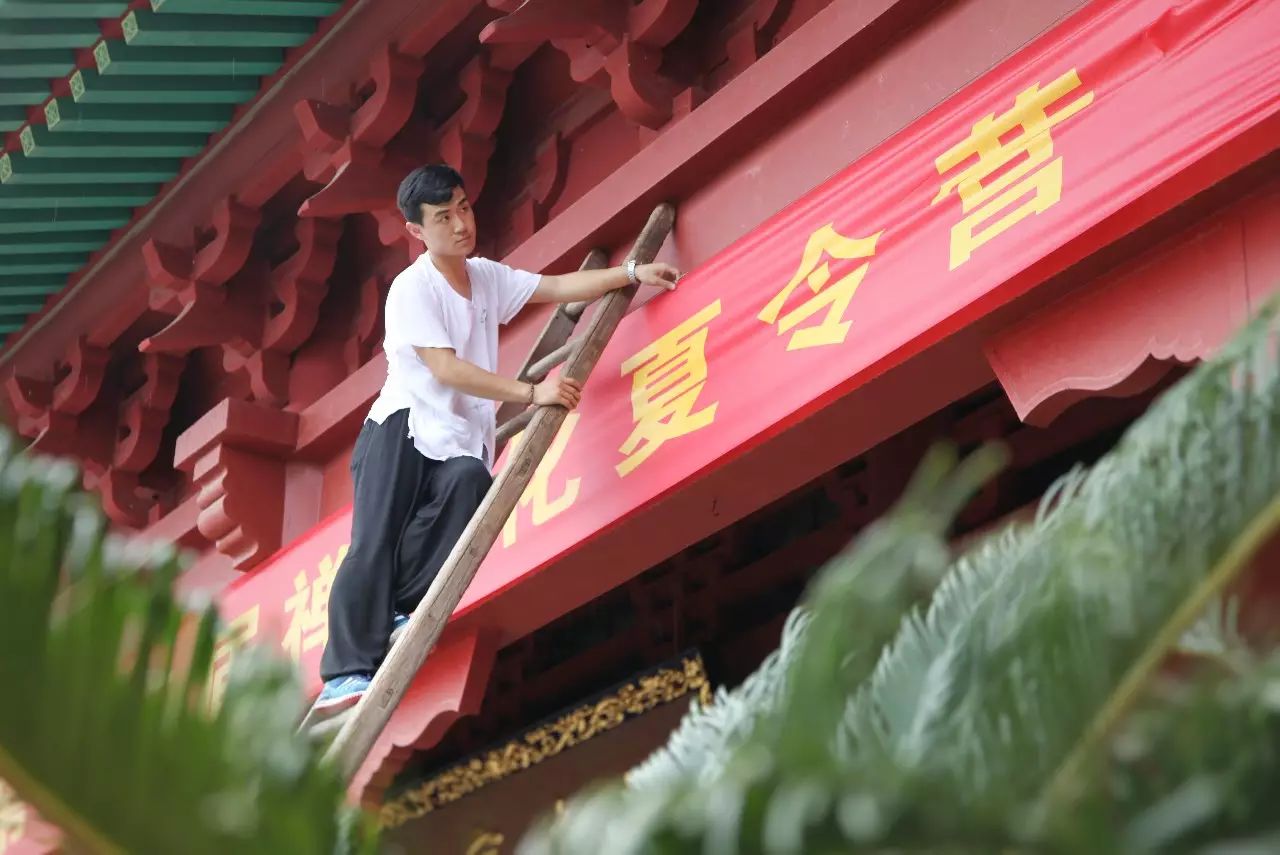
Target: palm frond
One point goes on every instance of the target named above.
(106, 729)
(990, 716)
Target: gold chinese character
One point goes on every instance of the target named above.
(231, 638)
(990, 143)
(666, 379)
(309, 608)
(537, 495)
(815, 270)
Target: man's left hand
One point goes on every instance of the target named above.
(658, 275)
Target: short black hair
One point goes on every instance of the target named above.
(427, 185)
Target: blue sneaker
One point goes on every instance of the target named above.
(342, 692)
(398, 623)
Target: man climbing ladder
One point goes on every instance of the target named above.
(421, 464)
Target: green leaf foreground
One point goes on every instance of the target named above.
(1022, 704)
(106, 728)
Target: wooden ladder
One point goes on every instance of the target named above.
(361, 725)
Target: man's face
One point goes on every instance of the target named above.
(449, 228)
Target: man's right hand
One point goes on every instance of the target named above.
(558, 391)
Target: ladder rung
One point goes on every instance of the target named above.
(540, 369)
(574, 310)
(554, 334)
(514, 425)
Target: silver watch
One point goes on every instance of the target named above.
(631, 272)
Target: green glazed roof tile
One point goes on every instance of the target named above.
(67, 240)
(97, 141)
(64, 115)
(19, 308)
(42, 65)
(17, 168)
(32, 287)
(118, 57)
(290, 8)
(61, 196)
(161, 30)
(89, 86)
(14, 222)
(22, 91)
(52, 9)
(29, 265)
(39, 141)
(48, 33)
(12, 118)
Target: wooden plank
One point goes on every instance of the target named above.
(374, 710)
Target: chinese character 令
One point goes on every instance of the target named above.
(666, 378)
(990, 148)
(308, 608)
(537, 496)
(815, 270)
(234, 635)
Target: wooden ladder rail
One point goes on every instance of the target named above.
(370, 716)
(513, 418)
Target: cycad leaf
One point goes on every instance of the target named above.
(106, 729)
(989, 717)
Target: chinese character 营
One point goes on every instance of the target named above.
(666, 378)
(1019, 137)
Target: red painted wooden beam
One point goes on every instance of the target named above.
(812, 60)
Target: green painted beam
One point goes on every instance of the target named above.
(91, 87)
(118, 57)
(17, 168)
(62, 8)
(34, 286)
(23, 91)
(292, 8)
(12, 118)
(15, 222)
(20, 308)
(156, 29)
(39, 141)
(65, 240)
(48, 33)
(61, 263)
(20, 196)
(47, 63)
(37, 285)
(63, 115)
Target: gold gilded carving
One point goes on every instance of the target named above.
(486, 843)
(544, 742)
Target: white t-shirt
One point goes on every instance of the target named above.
(423, 310)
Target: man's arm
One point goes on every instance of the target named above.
(590, 284)
(471, 379)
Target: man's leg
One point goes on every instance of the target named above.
(452, 491)
(387, 474)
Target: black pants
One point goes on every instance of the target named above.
(409, 512)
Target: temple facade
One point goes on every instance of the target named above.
(902, 221)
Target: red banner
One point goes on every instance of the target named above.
(979, 200)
